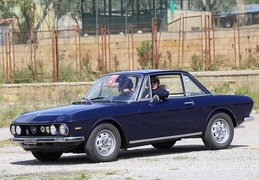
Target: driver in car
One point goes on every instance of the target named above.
(156, 90)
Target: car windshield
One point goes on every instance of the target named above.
(112, 88)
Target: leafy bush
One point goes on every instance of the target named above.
(145, 55)
(197, 62)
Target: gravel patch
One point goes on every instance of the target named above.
(188, 159)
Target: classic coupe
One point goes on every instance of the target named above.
(121, 111)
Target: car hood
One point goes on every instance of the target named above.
(59, 114)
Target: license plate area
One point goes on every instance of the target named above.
(30, 141)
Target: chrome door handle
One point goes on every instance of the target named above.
(189, 103)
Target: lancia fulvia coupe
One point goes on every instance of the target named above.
(133, 108)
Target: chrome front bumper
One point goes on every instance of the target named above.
(36, 140)
(249, 118)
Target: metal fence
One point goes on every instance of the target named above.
(82, 54)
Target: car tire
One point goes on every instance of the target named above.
(164, 145)
(103, 144)
(47, 156)
(219, 132)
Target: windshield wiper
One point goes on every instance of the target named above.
(101, 97)
(87, 100)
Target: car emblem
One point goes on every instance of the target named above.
(33, 130)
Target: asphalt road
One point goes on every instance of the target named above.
(188, 159)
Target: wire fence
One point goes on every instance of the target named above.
(194, 43)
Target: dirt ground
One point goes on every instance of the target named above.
(188, 159)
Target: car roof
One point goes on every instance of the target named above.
(150, 71)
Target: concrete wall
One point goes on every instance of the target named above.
(233, 48)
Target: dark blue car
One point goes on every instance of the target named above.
(121, 110)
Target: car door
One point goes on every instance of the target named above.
(171, 117)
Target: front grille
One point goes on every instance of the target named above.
(35, 130)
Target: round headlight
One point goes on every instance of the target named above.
(12, 129)
(53, 130)
(18, 130)
(63, 129)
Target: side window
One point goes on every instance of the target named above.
(173, 84)
(191, 88)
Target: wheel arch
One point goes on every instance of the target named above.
(117, 125)
(226, 111)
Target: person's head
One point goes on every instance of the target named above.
(125, 83)
(154, 82)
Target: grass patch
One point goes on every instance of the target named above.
(111, 173)
(182, 158)
(73, 176)
(7, 142)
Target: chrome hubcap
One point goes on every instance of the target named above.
(220, 131)
(105, 142)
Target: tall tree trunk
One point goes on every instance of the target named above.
(45, 12)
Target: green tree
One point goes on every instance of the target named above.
(251, 1)
(215, 5)
(62, 8)
(27, 7)
(6, 9)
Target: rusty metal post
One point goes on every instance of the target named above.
(183, 35)
(10, 58)
(179, 44)
(54, 54)
(206, 44)
(154, 44)
(7, 49)
(213, 37)
(238, 42)
(77, 67)
(209, 48)
(57, 54)
(109, 50)
(34, 52)
(128, 33)
(105, 51)
(80, 53)
(13, 55)
(30, 40)
(132, 49)
(234, 46)
(202, 32)
(102, 51)
(3, 60)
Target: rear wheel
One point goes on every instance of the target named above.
(103, 144)
(219, 132)
(163, 145)
(47, 156)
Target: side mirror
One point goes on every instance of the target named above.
(155, 98)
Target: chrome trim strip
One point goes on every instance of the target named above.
(48, 139)
(164, 138)
(249, 118)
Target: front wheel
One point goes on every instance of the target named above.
(103, 144)
(219, 132)
(47, 156)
